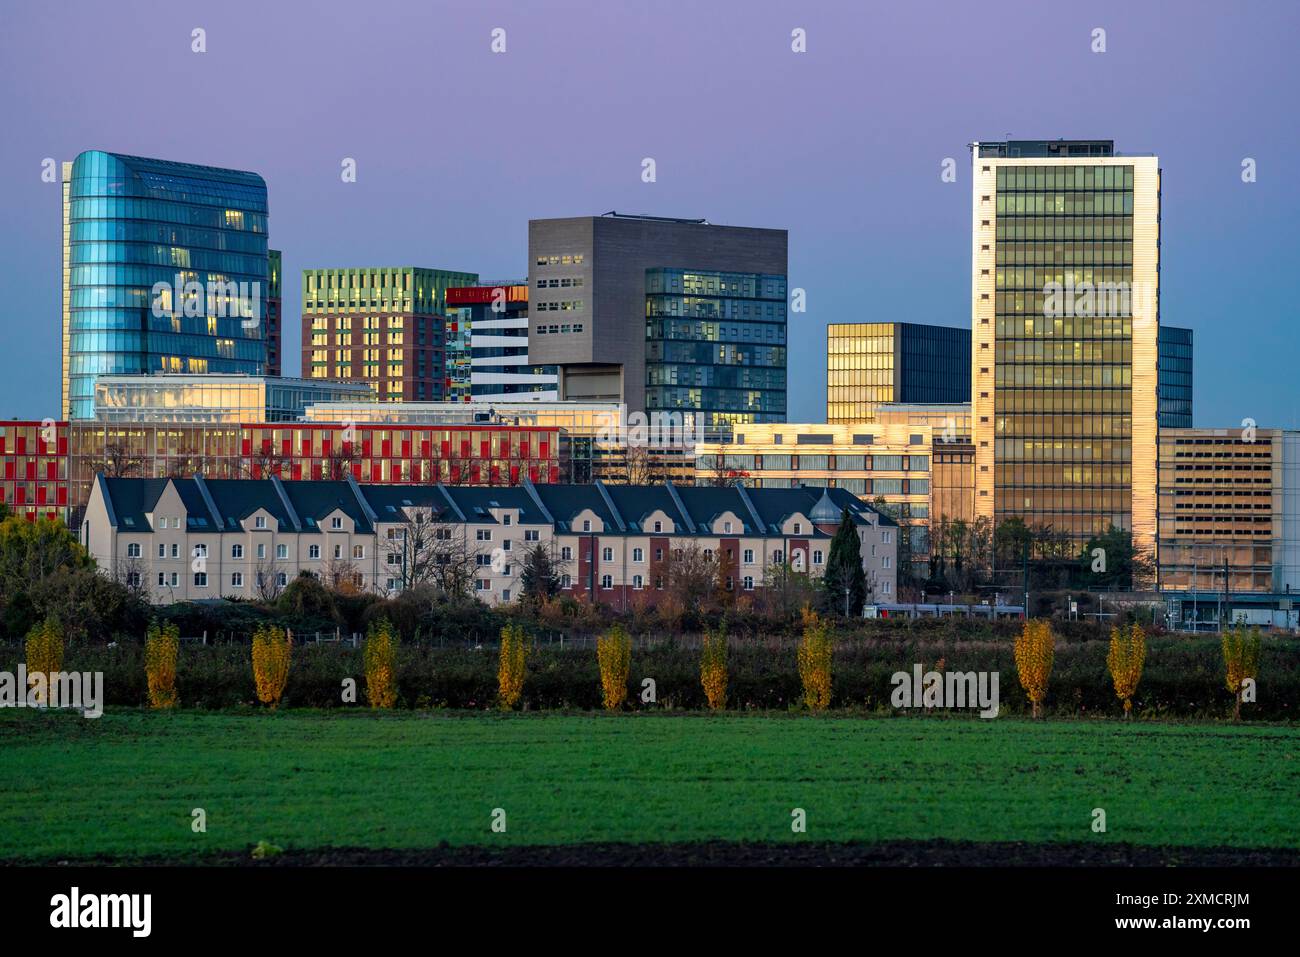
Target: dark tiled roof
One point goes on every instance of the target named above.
(314, 500)
(566, 501)
(706, 502)
(132, 498)
(236, 499)
(477, 502)
(636, 502)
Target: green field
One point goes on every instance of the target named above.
(125, 784)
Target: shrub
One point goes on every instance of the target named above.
(816, 649)
(380, 657)
(45, 655)
(1127, 655)
(1035, 652)
(161, 647)
(512, 666)
(1240, 661)
(713, 667)
(271, 651)
(614, 654)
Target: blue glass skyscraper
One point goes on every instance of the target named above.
(164, 270)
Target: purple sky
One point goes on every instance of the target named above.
(458, 147)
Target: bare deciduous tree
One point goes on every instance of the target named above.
(119, 461)
(266, 579)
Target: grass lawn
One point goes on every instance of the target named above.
(126, 784)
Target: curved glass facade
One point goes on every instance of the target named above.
(131, 223)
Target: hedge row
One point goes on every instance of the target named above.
(1183, 677)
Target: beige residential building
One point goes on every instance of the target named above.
(196, 538)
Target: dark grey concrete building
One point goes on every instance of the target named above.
(590, 280)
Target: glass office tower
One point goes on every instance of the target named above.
(716, 344)
(132, 223)
(1065, 313)
(1174, 392)
(869, 363)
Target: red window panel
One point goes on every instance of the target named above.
(21, 448)
(543, 449)
(306, 448)
(365, 448)
(326, 446)
(9, 469)
(40, 495)
(406, 448)
(523, 448)
(63, 445)
(464, 448)
(495, 474)
(485, 449)
(474, 473)
(446, 448)
(20, 495)
(51, 470)
(514, 475)
(296, 472)
(246, 448)
(286, 447)
(315, 471)
(256, 470)
(376, 471)
(3, 440)
(425, 449)
(266, 446)
(386, 449)
(455, 474)
(532, 473)
(356, 470)
(31, 470)
(555, 474)
(63, 495)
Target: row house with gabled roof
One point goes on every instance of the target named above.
(187, 539)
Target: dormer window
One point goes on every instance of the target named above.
(659, 526)
(726, 528)
(798, 528)
(336, 522)
(259, 522)
(586, 525)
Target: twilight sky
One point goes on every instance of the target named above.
(457, 147)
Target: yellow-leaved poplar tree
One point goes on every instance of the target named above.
(1035, 654)
(1240, 661)
(380, 657)
(45, 656)
(614, 654)
(816, 649)
(271, 651)
(161, 647)
(1127, 655)
(513, 665)
(713, 667)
